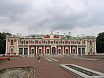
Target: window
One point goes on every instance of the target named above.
(11, 42)
(32, 51)
(59, 51)
(26, 42)
(11, 50)
(39, 42)
(20, 51)
(14, 40)
(90, 42)
(51, 42)
(91, 50)
(83, 50)
(46, 42)
(48, 51)
(22, 42)
(66, 51)
(8, 40)
(25, 51)
(40, 51)
(83, 42)
(73, 51)
(78, 42)
(79, 51)
(56, 42)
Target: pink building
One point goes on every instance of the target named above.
(51, 44)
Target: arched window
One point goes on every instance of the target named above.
(39, 42)
(78, 42)
(51, 42)
(90, 42)
(14, 40)
(22, 42)
(90, 50)
(11, 42)
(83, 42)
(26, 42)
(11, 50)
(56, 42)
(46, 42)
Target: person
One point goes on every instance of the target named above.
(38, 58)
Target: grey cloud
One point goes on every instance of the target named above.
(12, 10)
(47, 14)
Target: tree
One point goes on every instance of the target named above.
(3, 42)
(100, 43)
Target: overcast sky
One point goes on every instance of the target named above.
(41, 16)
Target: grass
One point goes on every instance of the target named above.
(1, 61)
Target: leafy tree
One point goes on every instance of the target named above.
(3, 42)
(100, 43)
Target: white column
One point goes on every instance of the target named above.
(36, 50)
(63, 50)
(6, 47)
(44, 50)
(70, 50)
(17, 52)
(95, 46)
(81, 50)
(86, 51)
(23, 51)
(77, 49)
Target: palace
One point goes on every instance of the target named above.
(50, 44)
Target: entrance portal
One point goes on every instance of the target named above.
(53, 50)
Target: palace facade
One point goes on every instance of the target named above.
(50, 44)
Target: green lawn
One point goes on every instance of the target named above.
(1, 61)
